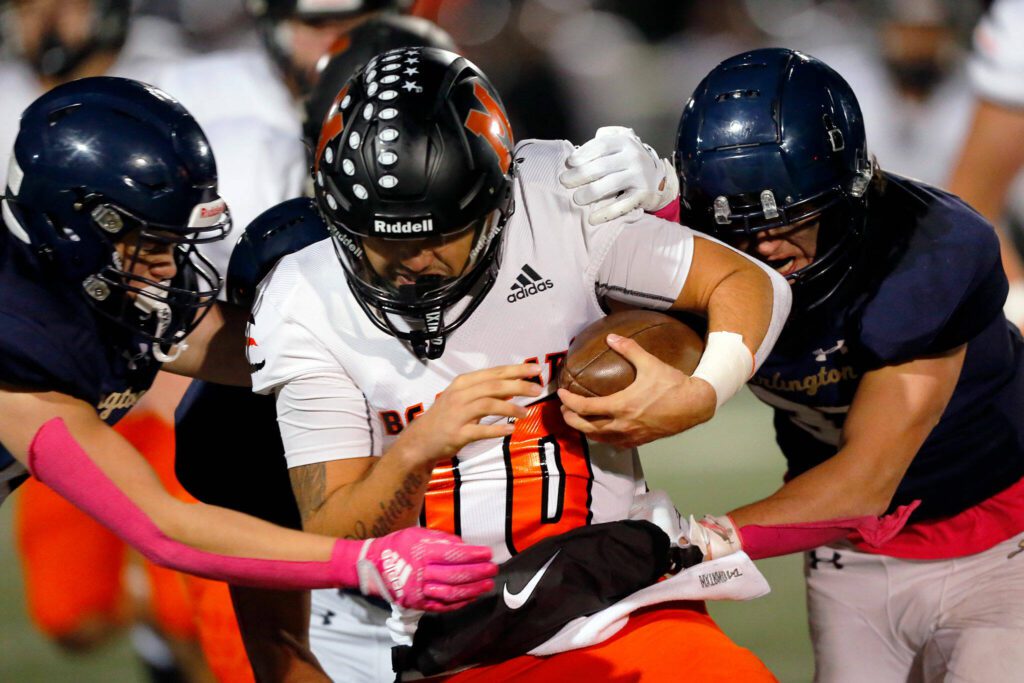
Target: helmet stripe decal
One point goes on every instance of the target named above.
(492, 126)
(332, 125)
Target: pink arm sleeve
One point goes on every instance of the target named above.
(56, 459)
(781, 539)
(418, 568)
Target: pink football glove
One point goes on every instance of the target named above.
(421, 569)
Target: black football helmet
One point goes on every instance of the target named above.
(416, 145)
(107, 31)
(102, 161)
(770, 138)
(351, 52)
(271, 15)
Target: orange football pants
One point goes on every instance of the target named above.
(673, 642)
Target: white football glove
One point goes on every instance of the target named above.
(616, 173)
(715, 536)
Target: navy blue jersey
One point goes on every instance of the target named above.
(932, 281)
(51, 341)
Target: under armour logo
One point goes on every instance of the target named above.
(328, 615)
(1018, 551)
(821, 355)
(815, 560)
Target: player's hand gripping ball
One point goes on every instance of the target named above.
(593, 369)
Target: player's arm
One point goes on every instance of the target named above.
(745, 303)
(893, 412)
(364, 496)
(275, 631)
(982, 177)
(66, 446)
(215, 350)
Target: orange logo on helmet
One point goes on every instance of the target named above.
(333, 124)
(492, 126)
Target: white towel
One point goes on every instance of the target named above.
(733, 577)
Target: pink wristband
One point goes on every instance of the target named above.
(669, 212)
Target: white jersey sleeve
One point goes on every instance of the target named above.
(996, 65)
(321, 412)
(637, 258)
(648, 262)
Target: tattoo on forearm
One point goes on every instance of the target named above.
(309, 483)
(407, 497)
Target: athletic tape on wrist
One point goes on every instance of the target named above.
(726, 365)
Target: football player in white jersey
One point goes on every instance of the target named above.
(992, 155)
(249, 101)
(456, 274)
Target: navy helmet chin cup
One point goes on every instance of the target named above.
(770, 138)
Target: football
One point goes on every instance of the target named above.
(592, 369)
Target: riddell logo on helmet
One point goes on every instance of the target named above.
(403, 227)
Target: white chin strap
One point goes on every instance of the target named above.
(151, 302)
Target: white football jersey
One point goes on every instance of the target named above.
(997, 62)
(360, 386)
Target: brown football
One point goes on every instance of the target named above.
(593, 369)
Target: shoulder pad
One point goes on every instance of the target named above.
(275, 233)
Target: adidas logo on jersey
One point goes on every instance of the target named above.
(528, 283)
(403, 227)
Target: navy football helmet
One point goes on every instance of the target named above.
(104, 170)
(351, 52)
(271, 15)
(416, 145)
(771, 138)
(108, 29)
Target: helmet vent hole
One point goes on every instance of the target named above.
(56, 116)
(738, 95)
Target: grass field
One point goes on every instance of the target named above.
(729, 461)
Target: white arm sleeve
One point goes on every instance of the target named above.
(325, 417)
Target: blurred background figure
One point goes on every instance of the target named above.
(988, 173)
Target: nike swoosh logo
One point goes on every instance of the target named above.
(517, 600)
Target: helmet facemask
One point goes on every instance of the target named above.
(163, 312)
(418, 312)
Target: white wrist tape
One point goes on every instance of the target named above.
(726, 365)
(1014, 306)
(715, 536)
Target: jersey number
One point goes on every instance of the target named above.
(549, 481)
